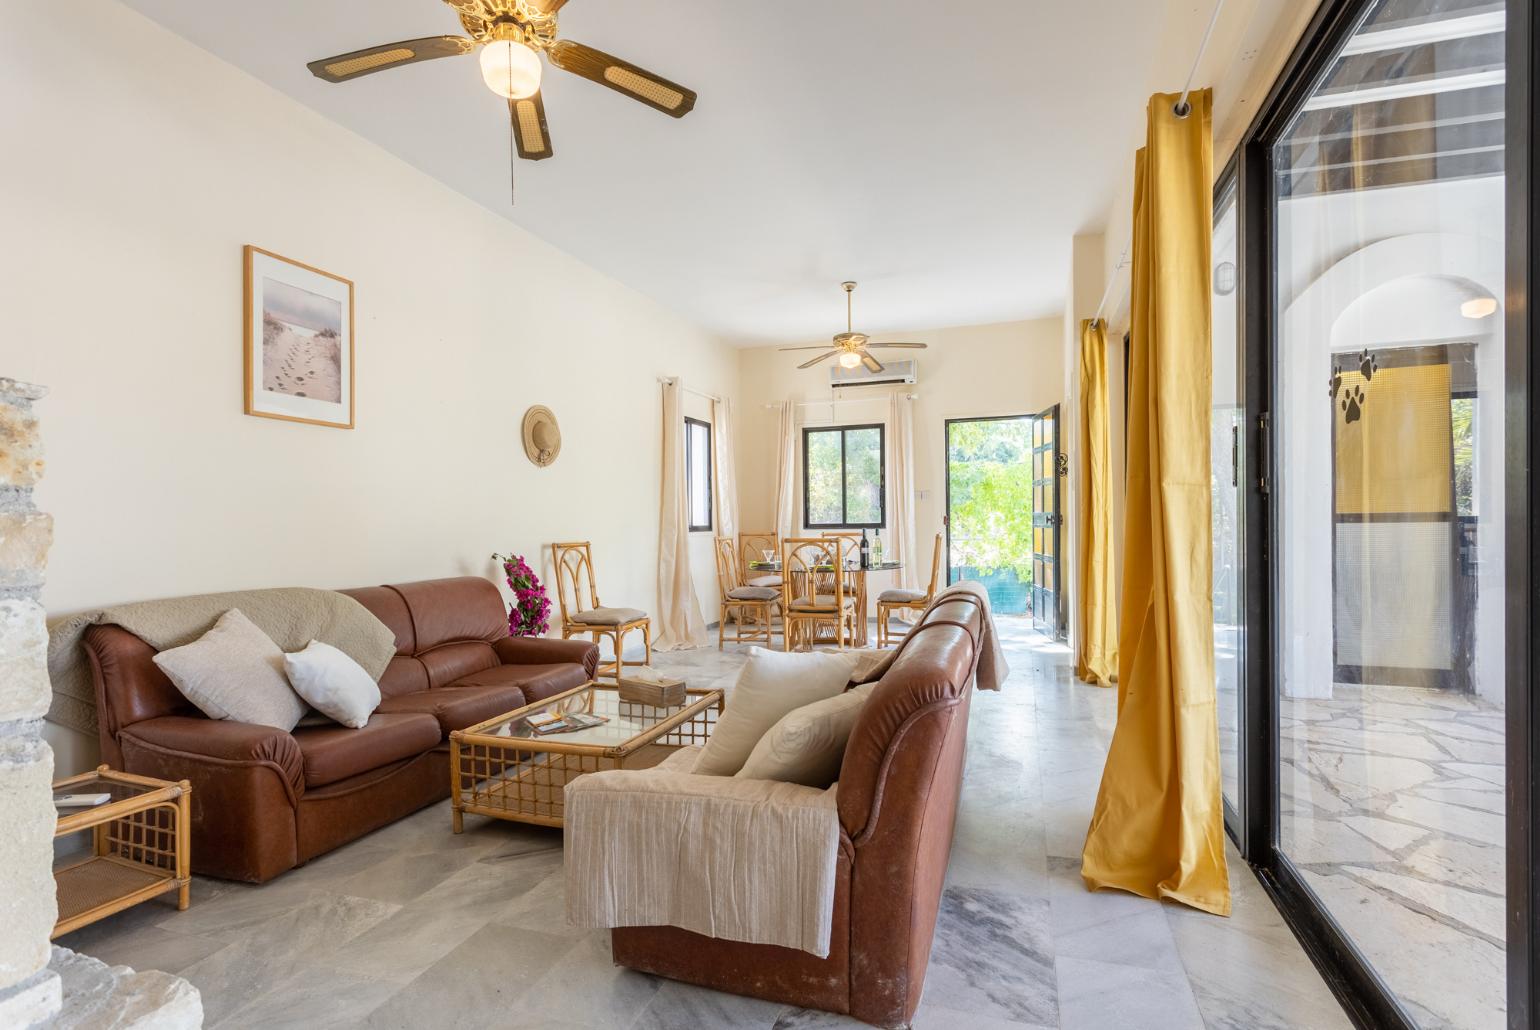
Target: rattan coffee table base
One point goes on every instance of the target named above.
(500, 769)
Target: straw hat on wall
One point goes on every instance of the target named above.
(542, 436)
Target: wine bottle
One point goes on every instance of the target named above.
(866, 551)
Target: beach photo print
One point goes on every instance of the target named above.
(299, 342)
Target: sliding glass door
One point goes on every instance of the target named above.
(1381, 198)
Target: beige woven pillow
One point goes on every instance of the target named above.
(771, 684)
(807, 745)
(235, 672)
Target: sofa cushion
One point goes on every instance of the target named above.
(333, 753)
(448, 663)
(445, 610)
(536, 681)
(455, 708)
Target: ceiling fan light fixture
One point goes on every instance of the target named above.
(850, 359)
(510, 69)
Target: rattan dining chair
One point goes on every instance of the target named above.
(754, 607)
(814, 591)
(575, 570)
(752, 548)
(900, 600)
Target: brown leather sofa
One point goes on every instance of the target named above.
(263, 800)
(897, 799)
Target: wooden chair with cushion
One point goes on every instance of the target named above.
(580, 615)
(899, 600)
(815, 591)
(754, 607)
(752, 548)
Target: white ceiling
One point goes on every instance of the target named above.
(941, 154)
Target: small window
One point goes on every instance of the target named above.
(842, 477)
(697, 463)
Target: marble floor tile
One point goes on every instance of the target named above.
(993, 956)
(1104, 996)
(679, 1006)
(490, 972)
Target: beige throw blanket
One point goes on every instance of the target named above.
(292, 616)
(736, 859)
(992, 668)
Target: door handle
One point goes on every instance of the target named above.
(1235, 455)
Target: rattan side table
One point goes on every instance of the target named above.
(139, 846)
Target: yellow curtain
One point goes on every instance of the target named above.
(1158, 828)
(1096, 651)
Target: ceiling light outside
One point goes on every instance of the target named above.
(510, 69)
(1479, 307)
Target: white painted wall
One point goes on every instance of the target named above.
(1013, 368)
(136, 167)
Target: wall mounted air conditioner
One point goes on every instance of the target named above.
(894, 373)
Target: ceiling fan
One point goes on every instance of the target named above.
(511, 35)
(851, 347)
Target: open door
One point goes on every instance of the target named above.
(1048, 464)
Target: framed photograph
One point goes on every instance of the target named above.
(299, 342)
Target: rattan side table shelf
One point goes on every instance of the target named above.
(503, 769)
(139, 846)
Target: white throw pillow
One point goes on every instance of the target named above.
(807, 745)
(333, 683)
(235, 672)
(770, 685)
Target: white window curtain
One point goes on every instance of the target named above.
(901, 508)
(786, 474)
(679, 622)
(725, 469)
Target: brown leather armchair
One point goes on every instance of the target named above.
(897, 799)
(263, 800)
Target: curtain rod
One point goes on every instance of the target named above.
(845, 400)
(689, 389)
(1181, 109)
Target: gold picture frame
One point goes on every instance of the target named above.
(298, 355)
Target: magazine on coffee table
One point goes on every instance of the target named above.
(563, 722)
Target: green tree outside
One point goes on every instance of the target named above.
(989, 472)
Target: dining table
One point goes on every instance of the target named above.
(858, 577)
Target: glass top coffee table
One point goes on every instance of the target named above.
(505, 769)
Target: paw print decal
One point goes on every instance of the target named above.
(1353, 405)
(1352, 399)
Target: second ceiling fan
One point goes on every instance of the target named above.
(851, 347)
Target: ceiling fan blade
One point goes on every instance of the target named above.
(529, 130)
(911, 346)
(389, 55)
(871, 363)
(623, 77)
(822, 347)
(821, 357)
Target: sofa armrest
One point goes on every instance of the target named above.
(547, 651)
(246, 786)
(727, 857)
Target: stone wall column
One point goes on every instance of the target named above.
(29, 990)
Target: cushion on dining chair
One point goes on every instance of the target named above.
(901, 596)
(608, 616)
(765, 581)
(821, 602)
(753, 594)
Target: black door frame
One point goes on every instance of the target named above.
(1365, 997)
